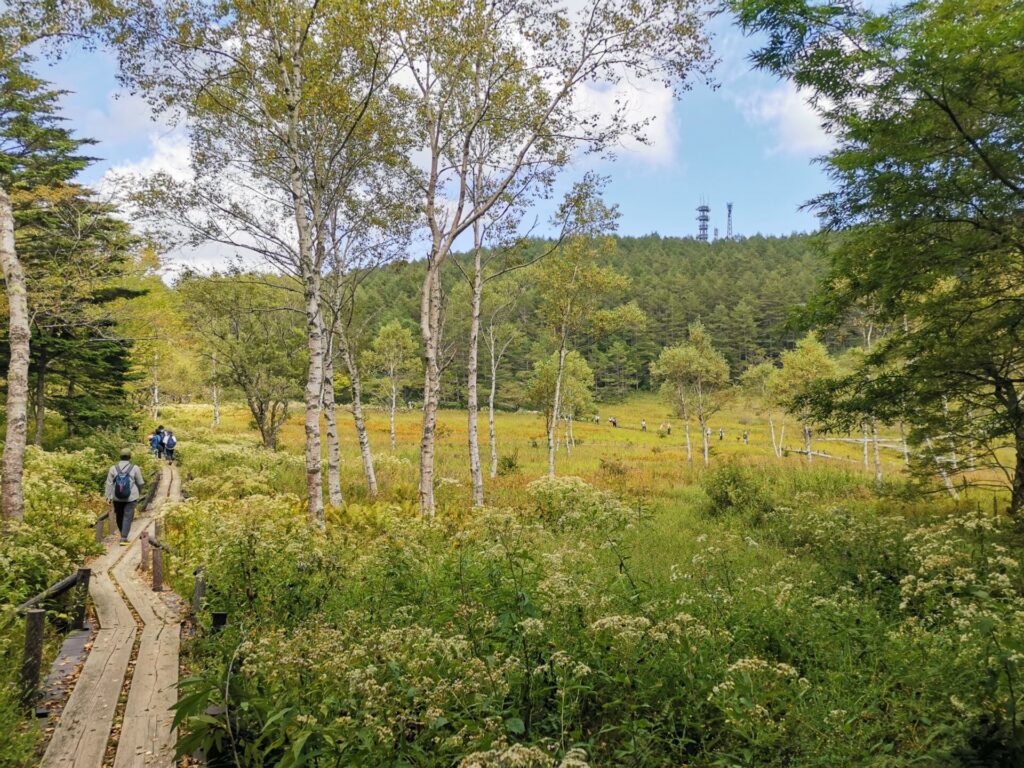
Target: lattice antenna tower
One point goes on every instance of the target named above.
(703, 217)
(728, 221)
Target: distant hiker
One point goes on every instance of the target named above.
(155, 443)
(643, 425)
(159, 436)
(123, 490)
(170, 441)
(721, 433)
(613, 421)
(597, 418)
(668, 429)
(746, 437)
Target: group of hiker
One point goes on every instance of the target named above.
(125, 482)
(162, 443)
(666, 428)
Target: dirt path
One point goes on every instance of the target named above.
(83, 732)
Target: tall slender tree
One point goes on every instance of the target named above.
(517, 72)
(287, 107)
(697, 376)
(576, 293)
(924, 101)
(394, 357)
(36, 152)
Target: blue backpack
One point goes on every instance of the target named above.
(123, 484)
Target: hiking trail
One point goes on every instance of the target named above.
(85, 729)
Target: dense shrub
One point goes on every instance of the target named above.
(735, 489)
(61, 501)
(841, 630)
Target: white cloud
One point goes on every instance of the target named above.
(647, 101)
(795, 126)
(169, 153)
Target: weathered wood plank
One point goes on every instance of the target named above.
(147, 738)
(83, 731)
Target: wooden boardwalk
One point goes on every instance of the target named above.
(83, 731)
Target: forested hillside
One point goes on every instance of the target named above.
(740, 289)
(438, 486)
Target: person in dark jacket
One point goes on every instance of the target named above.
(170, 442)
(123, 490)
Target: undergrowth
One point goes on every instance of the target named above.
(779, 616)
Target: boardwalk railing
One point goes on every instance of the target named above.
(35, 625)
(153, 553)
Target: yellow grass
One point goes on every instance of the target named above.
(623, 459)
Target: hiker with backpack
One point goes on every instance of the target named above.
(123, 490)
(169, 442)
(158, 438)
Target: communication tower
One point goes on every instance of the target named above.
(715, 236)
(728, 220)
(703, 217)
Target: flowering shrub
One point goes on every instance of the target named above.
(569, 502)
(578, 629)
(62, 499)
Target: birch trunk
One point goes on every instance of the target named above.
(807, 444)
(771, 429)
(394, 407)
(309, 272)
(878, 457)
(334, 494)
(704, 436)
(1017, 488)
(314, 386)
(689, 443)
(357, 416)
(490, 418)
(782, 437)
(906, 448)
(946, 480)
(216, 396)
(430, 327)
(12, 498)
(864, 427)
(555, 406)
(472, 403)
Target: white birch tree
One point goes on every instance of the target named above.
(287, 107)
(521, 72)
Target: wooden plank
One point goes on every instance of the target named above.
(81, 734)
(147, 738)
(83, 730)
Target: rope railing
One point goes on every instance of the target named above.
(35, 625)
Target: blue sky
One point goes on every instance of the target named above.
(750, 141)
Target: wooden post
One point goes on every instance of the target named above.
(144, 545)
(198, 591)
(158, 569)
(81, 597)
(112, 519)
(220, 620)
(99, 529)
(35, 623)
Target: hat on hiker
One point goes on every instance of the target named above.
(126, 453)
